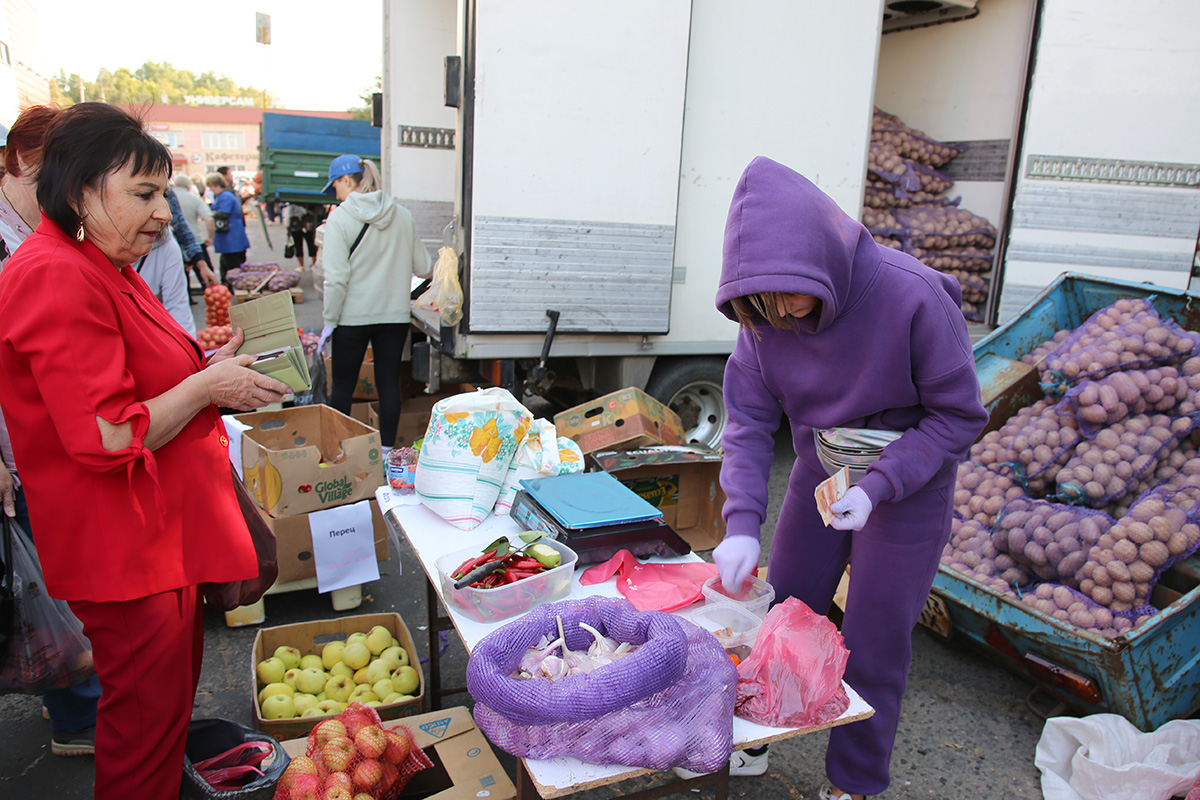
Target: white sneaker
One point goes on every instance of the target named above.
(826, 793)
(741, 764)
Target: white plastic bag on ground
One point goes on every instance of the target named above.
(1104, 757)
(543, 454)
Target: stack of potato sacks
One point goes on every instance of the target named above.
(905, 208)
(1079, 502)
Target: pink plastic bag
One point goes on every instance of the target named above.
(793, 677)
(652, 587)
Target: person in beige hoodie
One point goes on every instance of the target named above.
(371, 251)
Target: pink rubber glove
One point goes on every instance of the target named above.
(736, 557)
(852, 510)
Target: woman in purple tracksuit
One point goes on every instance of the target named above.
(837, 330)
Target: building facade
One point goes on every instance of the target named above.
(203, 138)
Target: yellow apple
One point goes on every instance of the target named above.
(331, 706)
(378, 640)
(360, 675)
(379, 669)
(338, 688)
(340, 668)
(304, 702)
(392, 697)
(270, 670)
(383, 688)
(272, 689)
(331, 654)
(313, 712)
(313, 661)
(290, 656)
(361, 693)
(355, 655)
(290, 677)
(396, 654)
(311, 681)
(278, 706)
(405, 680)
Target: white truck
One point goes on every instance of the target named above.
(580, 157)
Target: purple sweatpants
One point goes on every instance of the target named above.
(893, 562)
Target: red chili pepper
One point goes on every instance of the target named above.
(518, 574)
(526, 563)
(472, 563)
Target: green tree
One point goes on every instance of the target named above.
(151, 83)
(364, 111)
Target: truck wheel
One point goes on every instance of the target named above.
(691, 387)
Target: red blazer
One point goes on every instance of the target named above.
(80, 339)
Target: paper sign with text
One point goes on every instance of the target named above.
(343, 541)
(829, 491)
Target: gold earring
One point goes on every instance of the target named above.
(79, 233)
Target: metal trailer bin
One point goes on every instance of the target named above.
(1149, 675)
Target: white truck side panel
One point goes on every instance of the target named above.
(578, 119)
(419, 34)
(1115, 84)
(578, 113)
(791, 81)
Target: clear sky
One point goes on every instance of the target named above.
(323, 53)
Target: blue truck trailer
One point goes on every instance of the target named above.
(1149, 675)
(295, 151)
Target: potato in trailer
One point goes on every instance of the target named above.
(1149, 675)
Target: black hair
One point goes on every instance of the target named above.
(84, 145)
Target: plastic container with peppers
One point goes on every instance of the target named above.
(513, 588)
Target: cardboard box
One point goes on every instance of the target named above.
(683, 482)
(293, 544)
(306, 458)
(464, 764)
(626, 419)
(365, 388)
(362, 413)
(414, 413)
(309, 638)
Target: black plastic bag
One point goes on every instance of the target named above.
(319, 393)
(210, 737)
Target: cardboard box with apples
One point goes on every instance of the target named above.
(311, 639)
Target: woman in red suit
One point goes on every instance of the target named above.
(112, 412)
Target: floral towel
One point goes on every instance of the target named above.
(543, 454)
(469, 444)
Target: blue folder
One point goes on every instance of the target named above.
(584, 500)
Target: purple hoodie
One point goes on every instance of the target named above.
(887, 349)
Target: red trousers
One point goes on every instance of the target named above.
(147, 654)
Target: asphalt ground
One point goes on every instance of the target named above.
(966, 731)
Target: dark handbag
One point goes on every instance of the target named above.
(8, 595)
(289, 250)
(231, 594)
(221, 221)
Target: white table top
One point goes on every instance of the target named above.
(432, 537)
